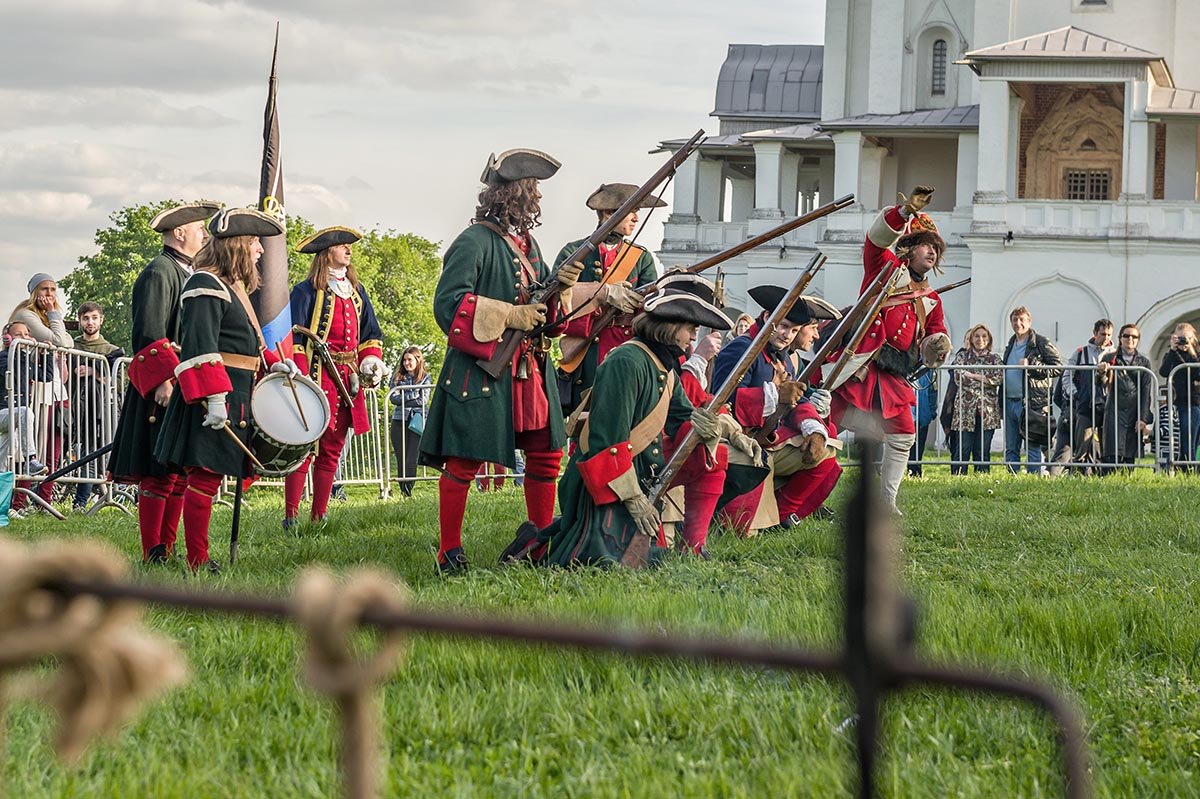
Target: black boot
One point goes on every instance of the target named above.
(521, 545)
(157, 555)
(453, 562)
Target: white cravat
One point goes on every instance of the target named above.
(338, 283)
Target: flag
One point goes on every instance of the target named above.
(271, 300)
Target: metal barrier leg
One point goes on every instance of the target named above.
(34, 497)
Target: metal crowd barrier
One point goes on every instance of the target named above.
(400, 442)
(60, 409)
(1054, 440)
(1183, 422)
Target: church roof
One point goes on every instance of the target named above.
(960, 117)
(1066, 42)
(1167, 101)
(777, 81)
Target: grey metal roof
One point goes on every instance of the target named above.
(960, 117)
(790, 133)
(780, 81)
(1166, 101)
(1066, 42)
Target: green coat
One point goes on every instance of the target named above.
(155, 307)
(470, 413)
(572, 385)
(210, 324)
(628, 385)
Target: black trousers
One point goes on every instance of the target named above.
(405, 445)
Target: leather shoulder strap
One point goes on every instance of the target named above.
(648, 429)
(526, 267)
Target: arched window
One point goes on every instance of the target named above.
(938, 73)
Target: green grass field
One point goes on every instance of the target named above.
(1091, 583)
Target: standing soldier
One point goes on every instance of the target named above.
(155, 306)
(607, 279)
(488, 276)
(221, 350)
(910, 328)
(333, 304)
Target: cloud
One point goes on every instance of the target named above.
(101, 108)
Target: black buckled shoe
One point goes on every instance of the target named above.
(824, 513)
(520, 547)
(157, 555)
(453, 562)
(211, 566)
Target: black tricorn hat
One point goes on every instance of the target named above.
(806, 310)
(327, 237)
(516, 164)
(231, 222)
(611, 196)
(171, 218)
(685, 297)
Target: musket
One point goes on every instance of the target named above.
(570, 359)
(322, 351)
(511, 339)
(78, 463)
(638, 552)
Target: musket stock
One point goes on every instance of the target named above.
(322, 351)
(606, 318)
(511, 339)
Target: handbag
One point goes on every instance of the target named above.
(6, 493)
(416, 423)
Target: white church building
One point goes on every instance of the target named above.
(1061, 137)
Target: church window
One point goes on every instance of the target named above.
(1087, 184)
(938, 82)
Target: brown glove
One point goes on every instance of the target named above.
(526, 317)
(921, 197)
(568, 274)
(791, 392)
(620, 297)
(645, 517)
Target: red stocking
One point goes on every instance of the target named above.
(153, 494)
(293, 489)
(700, 497)
(171, 514)
(541, 484)
(453, 486)
(202, 486)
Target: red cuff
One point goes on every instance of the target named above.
(370, 351)
(462, 337)
(604, 467)
(152, 367)
(748, 407)
(202, 379)
(270, 358)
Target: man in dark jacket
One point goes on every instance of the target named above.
(1027, 392)
(1079, 393)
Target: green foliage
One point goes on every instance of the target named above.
(1103, 604)
(399, 270)
(125, 247)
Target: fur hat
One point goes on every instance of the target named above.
(804, 311)
(325, 238)
(171, 218)
(611, 196)
(231, 222)
(516, 164)
(685, 297)
(921, 230)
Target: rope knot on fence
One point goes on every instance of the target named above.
(107, 665)
(331, 613)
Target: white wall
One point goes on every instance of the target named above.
(926, 161)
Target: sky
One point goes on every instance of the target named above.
(388, 108)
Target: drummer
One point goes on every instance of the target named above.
(333, 304)
(221, 350)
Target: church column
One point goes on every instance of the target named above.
(966, 169)
(1180, 172)
(768, 164)
(995, 138)
(789, 182)
(870, 179)
(710, 189)
(847, 150)
(742, 202)
(683, 203)
(1137, 176)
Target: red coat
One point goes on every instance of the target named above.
(897, 325)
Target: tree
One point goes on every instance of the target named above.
(399, 271)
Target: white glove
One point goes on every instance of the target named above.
(217, 414)
(288, 367)
(372, 371)
(820, 399)
(353, 384)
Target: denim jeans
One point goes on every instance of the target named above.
(1013, 439)
(1189, 433)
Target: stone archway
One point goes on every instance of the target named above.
(1063, 309)
(1083, 130)
(1157, 323)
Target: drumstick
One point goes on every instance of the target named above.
(228, 428)
(292, 386)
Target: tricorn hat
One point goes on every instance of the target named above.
(171, 218)
(325, 238)
(516, 164)
(231, 222)
(611, 196)
(685, 297)
(804, 311)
